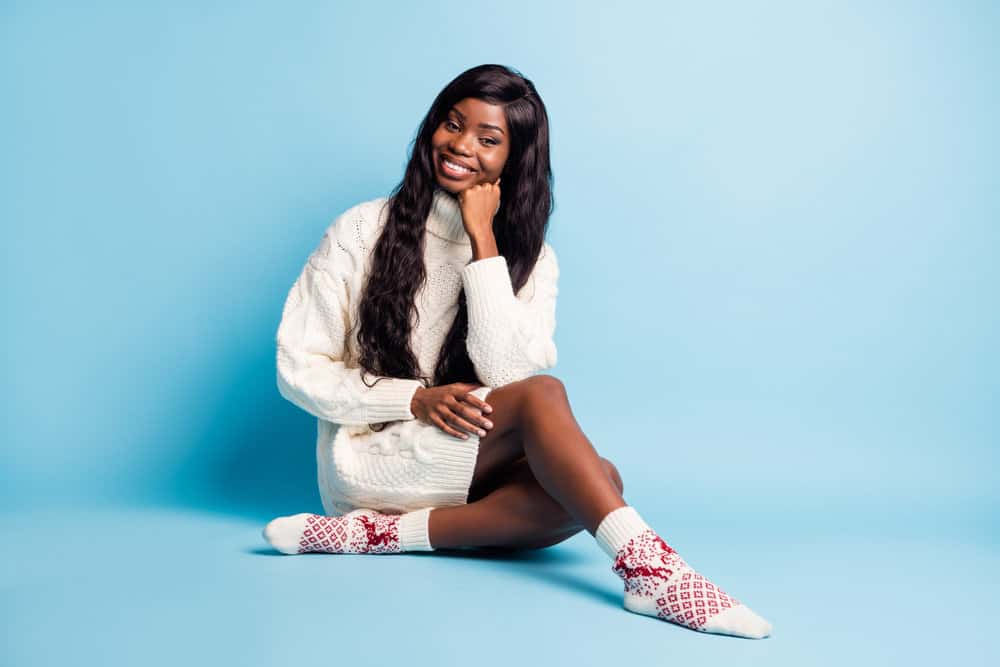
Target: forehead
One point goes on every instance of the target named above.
(474, 111)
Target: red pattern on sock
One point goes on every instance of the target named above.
(378, 533)
(386, 539)
(652, 569)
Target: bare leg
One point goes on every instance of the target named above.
(532, 419)
(514, 511)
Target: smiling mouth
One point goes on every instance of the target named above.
(454, 170)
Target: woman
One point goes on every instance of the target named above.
(447, 275)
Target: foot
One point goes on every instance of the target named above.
(659, 583)
(362, 531)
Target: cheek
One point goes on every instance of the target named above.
(496, 164)
(437, 139)
(502, 160)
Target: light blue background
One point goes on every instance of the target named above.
(778, 315)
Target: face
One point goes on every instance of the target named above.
(473, 135)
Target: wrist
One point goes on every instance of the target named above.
(483, 248)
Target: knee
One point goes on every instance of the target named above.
(545, 387)
(538, 396)
(613, 474)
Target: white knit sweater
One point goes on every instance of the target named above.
(510, 336)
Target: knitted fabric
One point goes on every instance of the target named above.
(361, 531)
(409, 464)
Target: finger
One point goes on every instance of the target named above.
(443, 425)
(465, 394)
(459, 422)
(474, 415)
(478, 402)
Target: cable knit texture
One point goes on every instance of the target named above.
(409, 464)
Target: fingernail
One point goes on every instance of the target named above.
(481, 433)
(489, 409)
(489, 424)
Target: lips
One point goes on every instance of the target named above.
(452, 171)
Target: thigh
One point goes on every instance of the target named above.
(501, 447)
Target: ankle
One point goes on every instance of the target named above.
(617, 528)
(414, 530)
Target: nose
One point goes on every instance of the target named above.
(458, 146)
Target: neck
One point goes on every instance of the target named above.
(445, 218)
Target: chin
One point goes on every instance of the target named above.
(450, 186)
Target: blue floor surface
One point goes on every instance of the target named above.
(160, 586)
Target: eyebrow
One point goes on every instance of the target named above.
(485, 125)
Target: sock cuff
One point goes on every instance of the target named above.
(617, 528)
(413, 532)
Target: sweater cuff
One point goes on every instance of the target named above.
(390, 399)
(487, 286)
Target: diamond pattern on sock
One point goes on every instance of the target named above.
(361, 531)
(658, 582)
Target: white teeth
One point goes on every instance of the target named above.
(456, 167)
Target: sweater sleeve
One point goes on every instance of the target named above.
(511, 336)
(311, 341)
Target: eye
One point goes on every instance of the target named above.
(450, 124)
(491, 142)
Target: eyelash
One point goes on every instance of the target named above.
(492, 142)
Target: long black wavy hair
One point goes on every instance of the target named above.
(386, 311)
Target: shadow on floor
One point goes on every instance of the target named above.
(545, 566)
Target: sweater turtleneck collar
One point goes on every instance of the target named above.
(445, 219)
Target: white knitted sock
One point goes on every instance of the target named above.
(659, 583)
(413, 533)
(362, 531)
